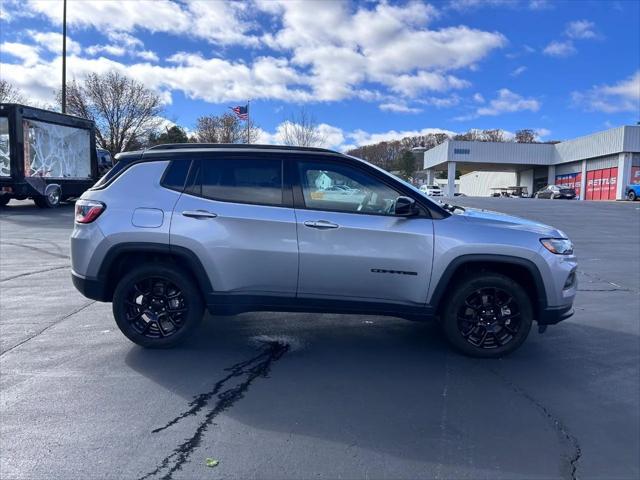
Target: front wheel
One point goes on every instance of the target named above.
(4, 199)
(157, 306)
(488, 315)
(631, 195)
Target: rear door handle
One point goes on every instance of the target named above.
(198, 214)
(321, 224)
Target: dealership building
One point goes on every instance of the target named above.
(598, 166)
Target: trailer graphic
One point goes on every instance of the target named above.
(44, 155)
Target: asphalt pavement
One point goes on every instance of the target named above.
(293, 396)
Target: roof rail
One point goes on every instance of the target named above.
(239, 146)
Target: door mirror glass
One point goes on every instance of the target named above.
(405, 207)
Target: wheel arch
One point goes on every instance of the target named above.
(122, 257)
(521, 270)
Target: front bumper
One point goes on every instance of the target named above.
(92, 288)
(553, 315)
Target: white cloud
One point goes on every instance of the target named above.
(387, 45)
(506, 102)
(576, 30)
(580, 29)
(623, 96)
(52, 41)
(477, 97)
(399, 107)
(560, 48)
(122, 44)
(368, 53)
(27, 53)
(540, 5)
(541, 133)
(518, 71)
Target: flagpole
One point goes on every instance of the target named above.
(248, 121)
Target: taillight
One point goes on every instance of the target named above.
(88, 210)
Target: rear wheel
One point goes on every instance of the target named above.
(631, 195)
(157, 306)
(488, 315)
(51, 198)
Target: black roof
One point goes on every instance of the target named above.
(238, 146)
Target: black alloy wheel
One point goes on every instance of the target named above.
(489, 318)
(156, 308)
(487, 315)
(157, 305)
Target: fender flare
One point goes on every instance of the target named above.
(188, 259)
(456, 263)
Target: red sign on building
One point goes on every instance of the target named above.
(601, 184)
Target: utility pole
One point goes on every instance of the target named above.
(64, 56)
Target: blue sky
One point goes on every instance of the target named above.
(366, 71)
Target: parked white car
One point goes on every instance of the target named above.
(431, 190)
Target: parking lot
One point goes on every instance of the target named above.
(273, 395)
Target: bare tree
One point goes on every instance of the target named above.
(302, 130)
(125, 111)
(525, 135)
(496, 135)
(9, 93)
(226, 128)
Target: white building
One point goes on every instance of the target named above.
(598, 166)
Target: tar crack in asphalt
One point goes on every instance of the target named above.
(247, 371)
(570, 462)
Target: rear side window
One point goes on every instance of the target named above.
(175, 175)
(240, 180)
(114, 171)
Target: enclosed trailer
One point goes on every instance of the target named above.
(44, 155)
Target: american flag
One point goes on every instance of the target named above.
(241, 112)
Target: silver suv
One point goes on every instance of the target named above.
(237, 228)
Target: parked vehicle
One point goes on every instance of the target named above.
(431, 190)
(46, 156)
(554, 191)
(105, 162)
(240, 228)
(632, 192)
(511, 192)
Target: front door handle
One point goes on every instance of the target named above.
(321, 224)
(198, 214)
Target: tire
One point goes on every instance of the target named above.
(4, 199)
(50, 200)
(464, 326)
(631, 196)
(142, 301)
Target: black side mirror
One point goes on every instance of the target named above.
(405, 207)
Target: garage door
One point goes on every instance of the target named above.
(601, 184)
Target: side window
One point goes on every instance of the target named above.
(176, 174)
(342, 188)
(240, 180)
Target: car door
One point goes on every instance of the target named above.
(353, 247)
(236, 216)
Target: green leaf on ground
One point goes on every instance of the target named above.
(211, 462)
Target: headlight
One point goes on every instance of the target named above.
(560, 246)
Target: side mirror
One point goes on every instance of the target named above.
(405, 207)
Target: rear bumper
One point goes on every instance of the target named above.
(92, 288)
(553, 315)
